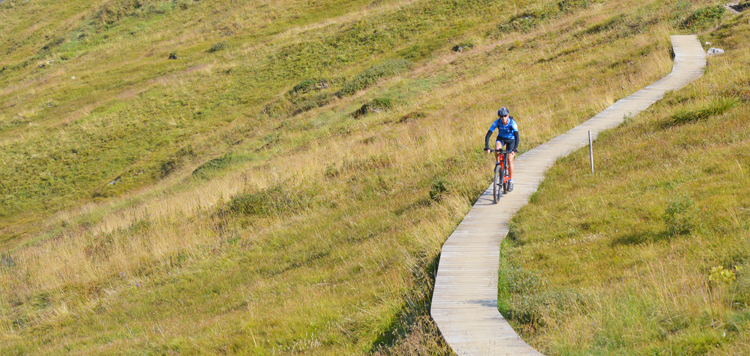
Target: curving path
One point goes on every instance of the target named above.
(464, 301)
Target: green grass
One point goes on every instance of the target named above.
(648, 255)
(236, 186)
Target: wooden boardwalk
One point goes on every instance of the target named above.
(464, 301)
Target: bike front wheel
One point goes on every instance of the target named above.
(496, 190)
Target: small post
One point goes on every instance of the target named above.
(591, 153)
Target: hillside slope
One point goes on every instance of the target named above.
(284, 182)
(651, 253)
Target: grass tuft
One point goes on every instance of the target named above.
(702, 113)
(373, 74)
(277, 200)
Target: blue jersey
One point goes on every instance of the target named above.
(504, 131)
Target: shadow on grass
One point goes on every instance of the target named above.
(413, 332)
(642, 237)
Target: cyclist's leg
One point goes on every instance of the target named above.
(498, 147)
(508, 143)
(511, 156)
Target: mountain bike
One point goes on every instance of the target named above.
(501, 181)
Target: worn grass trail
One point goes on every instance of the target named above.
(464, 302)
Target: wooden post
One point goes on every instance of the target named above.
(591, 153)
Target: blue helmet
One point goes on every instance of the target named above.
(503, 112)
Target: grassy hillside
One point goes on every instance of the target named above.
(284, 182)
(649, 256)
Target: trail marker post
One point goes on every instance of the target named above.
(591, 153)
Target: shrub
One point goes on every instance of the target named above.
(311, 93)
(384, 103)
(377, 105)
(311, 102)
(216, 47)
(680, 216)
(704, 18)
(183, 4)
(524, 22)
(721, 275)
(463, 46)
(305, 86)
(371, 76)
(308, 85)
(438, 189)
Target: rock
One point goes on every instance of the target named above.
(173, 55)
(714, 51)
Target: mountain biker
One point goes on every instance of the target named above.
(507, 134)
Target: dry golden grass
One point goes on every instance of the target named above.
(651, 255)
(349, 272)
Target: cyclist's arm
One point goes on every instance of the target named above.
(515, 144)
(487, 140)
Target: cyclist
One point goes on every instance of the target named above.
(507, 135)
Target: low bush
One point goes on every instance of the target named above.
(680, 216)
(704, 18)
(438, 189)
(371, 76)
(310, 102)
(525, 22)
(315, 84)
(463, 46)
(374, 106)
(311, 93)
(216, 47)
